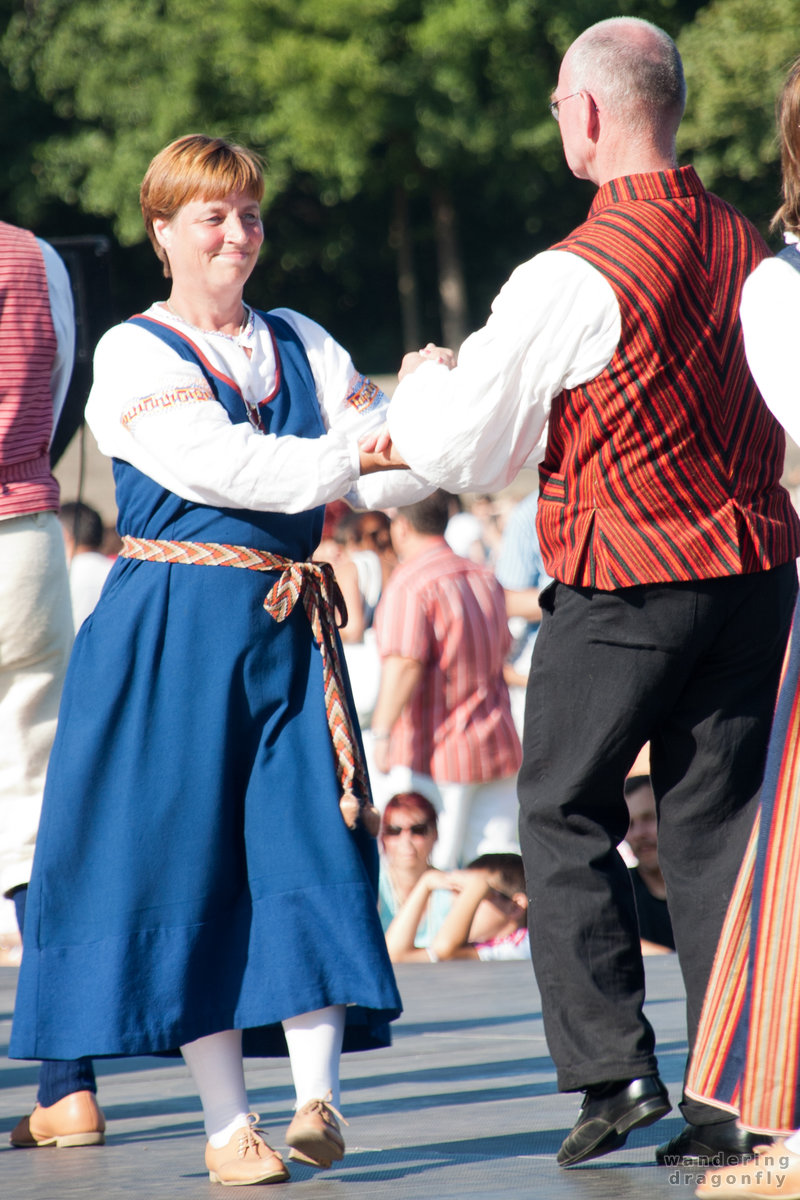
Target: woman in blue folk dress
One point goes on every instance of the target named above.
(204, 877)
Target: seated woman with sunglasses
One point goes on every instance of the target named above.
(488, 919)
(408, 835)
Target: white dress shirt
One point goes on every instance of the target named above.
(555, 324)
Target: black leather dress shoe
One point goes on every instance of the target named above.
(710, 1145)
(608, 1113)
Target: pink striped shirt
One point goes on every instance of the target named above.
(449, 614)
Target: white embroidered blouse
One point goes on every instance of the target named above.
(157, 412)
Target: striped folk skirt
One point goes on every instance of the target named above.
(747, 1053)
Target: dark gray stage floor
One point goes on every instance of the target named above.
(463, 1104)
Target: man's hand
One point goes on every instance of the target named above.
(399, 677)
(380, 750)
(429, 353)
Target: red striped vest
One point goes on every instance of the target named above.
(667, 465)
(27, 352)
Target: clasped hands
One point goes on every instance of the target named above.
(376, 450)
(429, 353)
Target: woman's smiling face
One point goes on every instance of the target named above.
(212, 244)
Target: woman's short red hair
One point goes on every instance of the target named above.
(410, 802)
(196, 167)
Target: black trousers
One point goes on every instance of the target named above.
(693, 668)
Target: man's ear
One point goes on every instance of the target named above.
(400, 526)
(592, 116)
(520, 899)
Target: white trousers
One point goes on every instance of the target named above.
(35, 643)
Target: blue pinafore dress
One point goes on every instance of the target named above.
(193, 872)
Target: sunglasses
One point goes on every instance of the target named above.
(415, 830)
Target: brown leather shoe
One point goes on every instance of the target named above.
(314, 1135)
(245, 1159)
(74, 1120)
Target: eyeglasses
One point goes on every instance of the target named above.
(415, 830)
(555, 103)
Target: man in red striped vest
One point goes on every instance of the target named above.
(615, 360)
(37, 337)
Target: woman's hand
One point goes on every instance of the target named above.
(435, 880)
(377, 453)
(429, 353)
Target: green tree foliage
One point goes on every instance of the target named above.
(324, 87)
(736, 53)
(25, 120)
(406, 136)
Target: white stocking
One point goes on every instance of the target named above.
(218, 1072)
(315, 1046)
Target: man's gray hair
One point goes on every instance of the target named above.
(633, 69)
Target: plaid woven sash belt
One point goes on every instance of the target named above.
(315, 585)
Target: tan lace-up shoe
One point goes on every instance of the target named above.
(245, 1159)
(74, 1120)
(314, 1135)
